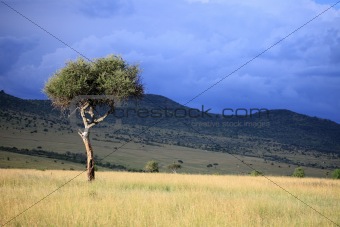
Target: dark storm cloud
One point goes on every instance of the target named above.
(11, 49)
(186, 46)
(104, 8)
(334, 45)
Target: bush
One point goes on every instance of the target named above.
(299, 172)
(174, 167)
(256, 173)
(151, 167)
(336, 174)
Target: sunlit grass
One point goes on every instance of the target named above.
(144, 199)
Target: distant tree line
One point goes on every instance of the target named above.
(67, 156)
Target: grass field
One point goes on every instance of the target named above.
(135, 155)
(34, 132)
(144, 199)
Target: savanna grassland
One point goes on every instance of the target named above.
(131, 152)
(160, 199)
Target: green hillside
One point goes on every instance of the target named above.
(276, 141)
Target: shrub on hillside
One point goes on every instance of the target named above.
(255, 173)
(299, 172)
(174, 167)
(151, 167)
(336, 174)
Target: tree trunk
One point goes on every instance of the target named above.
(90, 161)
(89, 121)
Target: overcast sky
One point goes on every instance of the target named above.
(184, 47)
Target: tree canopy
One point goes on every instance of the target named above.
(299, 172)
(104, 76)
(152, 167)
(174, 167)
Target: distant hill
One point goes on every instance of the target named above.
(272, 135)
(41, 107)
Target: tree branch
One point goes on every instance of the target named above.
(100, 119)
(80, 133)
(83, 134)
(90, 112)
(82, 113)
(88, 123)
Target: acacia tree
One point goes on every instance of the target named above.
(174, 167)
(80, 83)
(152, 167)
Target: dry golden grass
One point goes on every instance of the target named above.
(142, 199)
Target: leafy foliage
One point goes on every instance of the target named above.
(256, 173)
(299, 172)
(336, 174)
(103, 76)
(174, 167)
(152, 167)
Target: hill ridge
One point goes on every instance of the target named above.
(283, 126)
